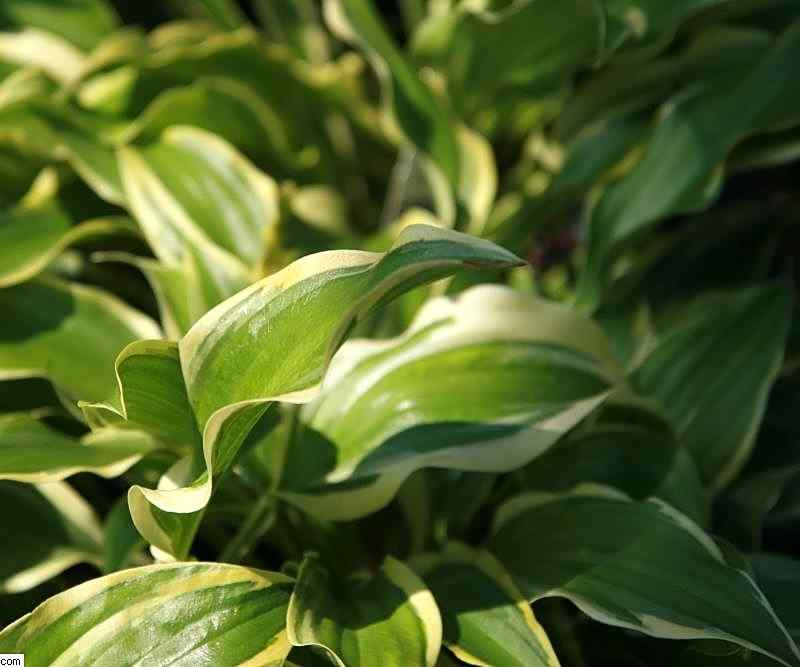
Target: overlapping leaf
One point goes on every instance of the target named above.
(484, 383)
(244, 354)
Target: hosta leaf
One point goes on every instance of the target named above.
(633, 204)
(203, 208)
(638, 565)
(244, 354)
(30, 451)
(485, 619)
(389, 618)
(51, 527)
(728, 358)
(484, 383)
(194, 613)
(175, 288)
(67, 333)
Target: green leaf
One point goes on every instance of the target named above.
(637, 565)
(30, 451)
(485, 619)
(728, 358)
(389, 618)
(244, 354)
(198, 613)
(50, 527)
(722, 115)
(483, 383)
(68, 333)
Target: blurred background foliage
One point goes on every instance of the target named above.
(641, 155)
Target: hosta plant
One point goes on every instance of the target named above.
(422, 333)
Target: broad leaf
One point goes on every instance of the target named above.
(195, 613)
(633, 564)
(389, 618)
(485, 619)
(483, 383)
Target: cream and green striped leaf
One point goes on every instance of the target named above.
(484, 382)
(67, 333)
(205, 210)
(183, 613)
(730, 354)
(486, 620)
(31, 451)
(246, 353)
(637, 565)
(387, 619)
(51, 528)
